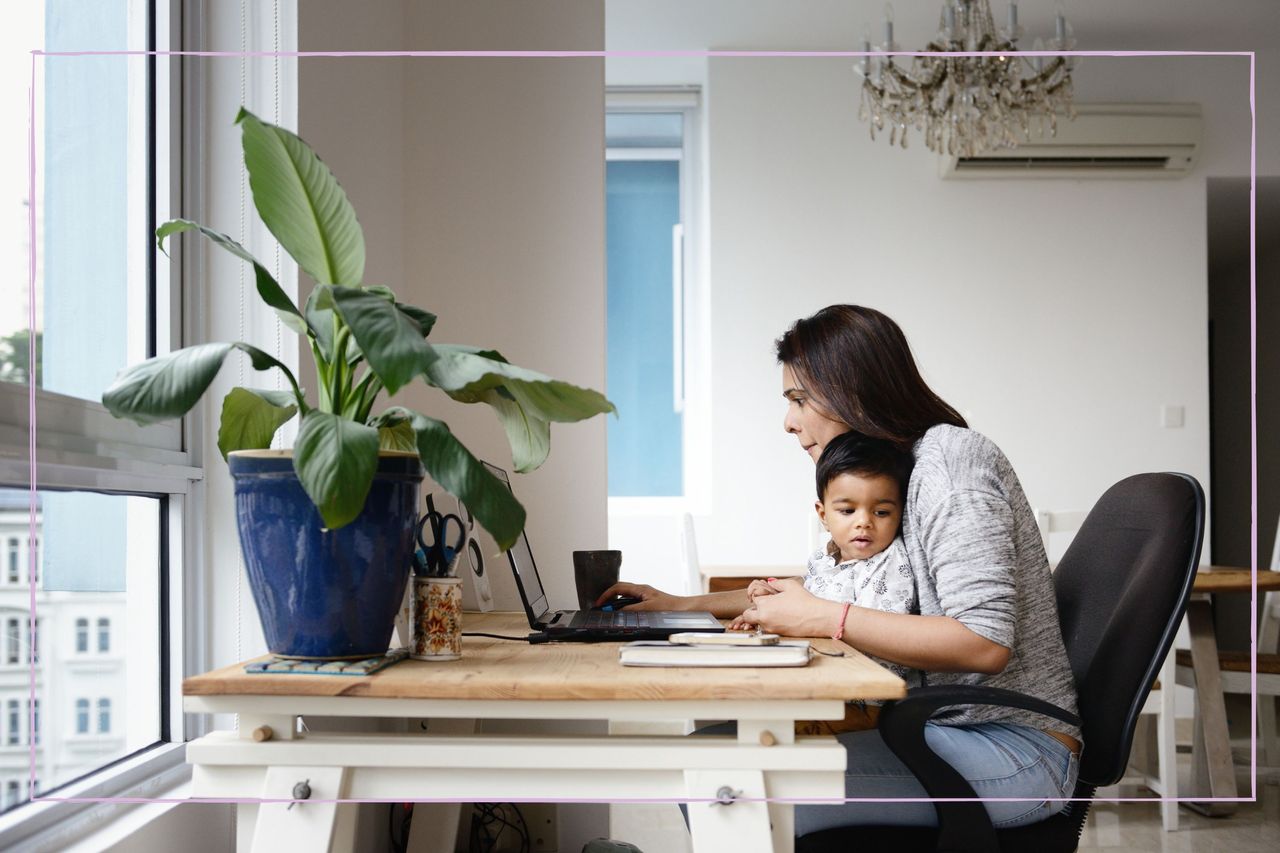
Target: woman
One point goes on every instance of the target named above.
(987, 609)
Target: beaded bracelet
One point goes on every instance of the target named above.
(844, 613)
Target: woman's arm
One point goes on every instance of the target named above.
(931, 643)
(722, 605)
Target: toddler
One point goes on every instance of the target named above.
(862, 486)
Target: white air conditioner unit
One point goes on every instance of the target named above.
(1103, 141)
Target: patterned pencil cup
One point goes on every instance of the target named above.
(437, 619)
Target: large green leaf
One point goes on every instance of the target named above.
(301, 203)
(250, 418)
(465, 372)
(461, 474)
(424, 319)
(398, 436)
(268, 288)
(168, 386)
(528, 435)
(392, 342)
(335, 459)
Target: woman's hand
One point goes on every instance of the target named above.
(650, 598)
(740, 623)
(792, 611)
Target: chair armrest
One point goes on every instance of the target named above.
(962, 826)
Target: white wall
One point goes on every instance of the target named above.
(1057, 315)
(437, 157)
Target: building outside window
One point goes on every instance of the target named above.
(12, 640)
(82, 716)
(82, 635)
(104, 635)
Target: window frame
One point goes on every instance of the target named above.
(79, 445)
(695, 312)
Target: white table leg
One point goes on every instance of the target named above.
(309, 825)
(246, 819)
(740, 826)
(1167, 746)
(1212, 770)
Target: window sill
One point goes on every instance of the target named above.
(57, 820)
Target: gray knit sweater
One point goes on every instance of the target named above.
(972, 539)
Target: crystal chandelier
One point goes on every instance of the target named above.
(968, 104)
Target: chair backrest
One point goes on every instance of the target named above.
(689, 553)
(1122, 590)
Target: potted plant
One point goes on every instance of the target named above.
(327, 528)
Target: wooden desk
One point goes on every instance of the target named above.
(726, 577)
(437, 759)
(1212, 770)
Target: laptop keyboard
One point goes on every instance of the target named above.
(612, 619)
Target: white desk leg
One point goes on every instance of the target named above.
(1213, 772)
(308, 825)
(435, 825)
(742, 827)
(246, 818)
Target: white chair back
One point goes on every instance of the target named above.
(689, 552)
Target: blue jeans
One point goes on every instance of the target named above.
(998, 760)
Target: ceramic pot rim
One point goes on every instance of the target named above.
(287, 453)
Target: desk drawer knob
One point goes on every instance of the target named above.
(767, 738)
(262, 733)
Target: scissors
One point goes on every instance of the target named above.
(435, 557)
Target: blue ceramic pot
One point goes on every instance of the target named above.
(325, 593)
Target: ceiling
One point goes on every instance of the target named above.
(839, 24)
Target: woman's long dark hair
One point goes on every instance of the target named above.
(857, 363)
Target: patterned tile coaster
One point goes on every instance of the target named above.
(290, 666)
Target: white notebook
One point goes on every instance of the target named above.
(661, 653)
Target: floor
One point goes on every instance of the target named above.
(1133, 827)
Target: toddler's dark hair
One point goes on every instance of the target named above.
(854, 453)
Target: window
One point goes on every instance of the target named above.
(13, 560)
(35, 721)
(104, 635)
(655, 306)
(11, 793)
(112, 516)
(12, 640)
(104, 715)
(14, 728)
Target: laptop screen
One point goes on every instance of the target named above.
(521, 557)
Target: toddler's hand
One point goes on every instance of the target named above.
(759, 587)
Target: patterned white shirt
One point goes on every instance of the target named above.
(882, 581)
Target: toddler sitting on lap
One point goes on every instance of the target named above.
(862, 486)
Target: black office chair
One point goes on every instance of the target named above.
(1122, 590)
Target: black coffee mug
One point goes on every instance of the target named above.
(594, 572)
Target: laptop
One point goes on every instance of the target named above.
(593, 625)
